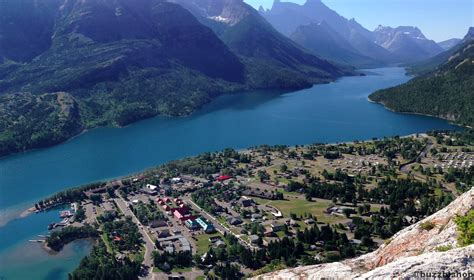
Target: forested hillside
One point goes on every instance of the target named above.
(446, 92)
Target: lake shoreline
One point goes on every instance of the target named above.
(417, 114)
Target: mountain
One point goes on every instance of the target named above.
(286, 17)
(119, 61)
(411, 251)
(264, 50)
(449, 44)
(447, 91)
(406, 42)
(324, 41)
(431, 63)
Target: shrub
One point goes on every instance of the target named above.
(428, 225)
(465, 229)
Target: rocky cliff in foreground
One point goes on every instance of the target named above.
(408, 254)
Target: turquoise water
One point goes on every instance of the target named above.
(333, 112)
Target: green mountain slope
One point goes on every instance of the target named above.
(446, 92)
(121, 61)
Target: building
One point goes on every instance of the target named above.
(277, 227)
(246, 202)
(163, 233)
(181, 213)
(174, 243)
(205, 225)
(234, 221)
(213, 239)
(157, 224)
(219, 244)
(191, 224)
(256, 216)
(176, 180)
(254, 239)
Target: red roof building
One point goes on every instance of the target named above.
(223, 178)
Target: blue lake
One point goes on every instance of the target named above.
(334, 112)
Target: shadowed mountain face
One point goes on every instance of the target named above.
(119, 61)
(322, 40)
(160, 32)
(250, 36)
(26, 28)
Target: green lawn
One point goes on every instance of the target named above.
(203, 242)
(302, 206)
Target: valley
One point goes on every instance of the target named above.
(236, 139)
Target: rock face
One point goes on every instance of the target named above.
(409, 253)
(407, 42)
(286, 17)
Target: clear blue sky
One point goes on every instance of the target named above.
(438, 19)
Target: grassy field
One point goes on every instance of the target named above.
(302, 206)
(203, 242)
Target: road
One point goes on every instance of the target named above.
(219, 227)
(149, 244)
(422, 154)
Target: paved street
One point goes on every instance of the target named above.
(149, 244)
(219, 227)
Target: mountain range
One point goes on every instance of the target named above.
(445, 90)
(324, 32)
(407, 43)
(449, 44)
(68, 65)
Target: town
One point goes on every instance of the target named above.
(233, 214)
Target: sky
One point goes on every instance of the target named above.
(437, 19)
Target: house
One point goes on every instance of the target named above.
(219, 244)
(181, 213)
(157, 224)
(254, 239)
(256, 216)
(176, 180)
(150, 189)
(150, 192)
(269, 233)
(191, 224)
(234, 221)
(309, 221)
(246, 202)
(277, 227)
(213, 239)
(163, 233)
(206, 226)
